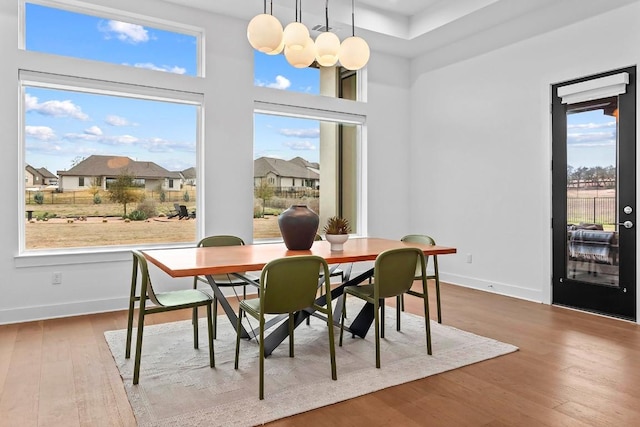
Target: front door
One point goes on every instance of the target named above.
(594, 193)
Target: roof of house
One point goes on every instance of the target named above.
(43, 172)
(287, 168)
(189, 173)
(112, 166)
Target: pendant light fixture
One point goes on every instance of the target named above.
(354, 51)
(296, 33)
(327, 44)
(265, 31)
(299, 49)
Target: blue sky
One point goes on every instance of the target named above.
(61, 125)
(591, 139)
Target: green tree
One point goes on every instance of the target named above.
(264, 191)
(122, 190)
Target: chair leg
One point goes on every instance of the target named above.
(215, 316)
(382, 316)
(291, 334)
(136, 366)
(332, 346)
(261, 386)
(377, 331)
(398, 302)
(344, 302)
(437, 279)
(127, 353)
(427, 321)
(239, 329)
(196, 344)
(212, 355)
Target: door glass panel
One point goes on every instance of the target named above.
(592, 192)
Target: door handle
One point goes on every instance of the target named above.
(626, 224)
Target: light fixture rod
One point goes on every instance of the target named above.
(271, 7)
(265, 6)
(353, 19)
(326, 15)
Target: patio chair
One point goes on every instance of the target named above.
(163, 301)
(175, 212)
(183, 212)
(288, 285)
(393, 275)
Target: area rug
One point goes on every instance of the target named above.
(178, 388)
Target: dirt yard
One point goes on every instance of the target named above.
(61, 233)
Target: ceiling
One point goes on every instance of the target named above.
(409, 28)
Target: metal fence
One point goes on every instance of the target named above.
(594, 210)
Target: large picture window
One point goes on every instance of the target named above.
(110, 158)
(113, 160)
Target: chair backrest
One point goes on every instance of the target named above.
(394, 271)
(146, 289)
(290, 284)
(423, 240)
(222, 240)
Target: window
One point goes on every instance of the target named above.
(321, 156)
(107, 150)
(79, 35)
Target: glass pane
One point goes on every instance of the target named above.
(275, 72)
(592, 230)
(303, 161)
(61, 32)
(93, 159)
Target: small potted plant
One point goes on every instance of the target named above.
(337, 232)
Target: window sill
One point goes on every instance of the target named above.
(74, 256)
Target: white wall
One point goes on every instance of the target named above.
(480, 138)
(100, 282)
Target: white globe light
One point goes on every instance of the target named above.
(301, 58)
(295, 35)
(264, 33)
(327, 48)
(277, 50)
(354, 53)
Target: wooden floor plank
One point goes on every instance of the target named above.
(572, 369)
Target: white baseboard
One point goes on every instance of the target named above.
(534, 295)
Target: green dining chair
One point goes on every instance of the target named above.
(393, 275)
(222, 280)
(426, 240)
(288, 285)
(163, 301)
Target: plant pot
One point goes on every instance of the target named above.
(298, 226)
(337, 241)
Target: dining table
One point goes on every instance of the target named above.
(235, 260)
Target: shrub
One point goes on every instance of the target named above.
(163, 196)
(185, 196)
(97, 199)
(39, 197)
(148, 206)
(137, 215)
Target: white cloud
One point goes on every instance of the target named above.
(93, 130)
(280, 83)
(55, 108)
(300, 145)
(592, 125)
(300, 133)
(125, 32)
(43, 133)
(166, 68)
(589, 138)
(114, 120)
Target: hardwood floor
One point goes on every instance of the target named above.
(572, 369)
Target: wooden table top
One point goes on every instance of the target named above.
(185, 262)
